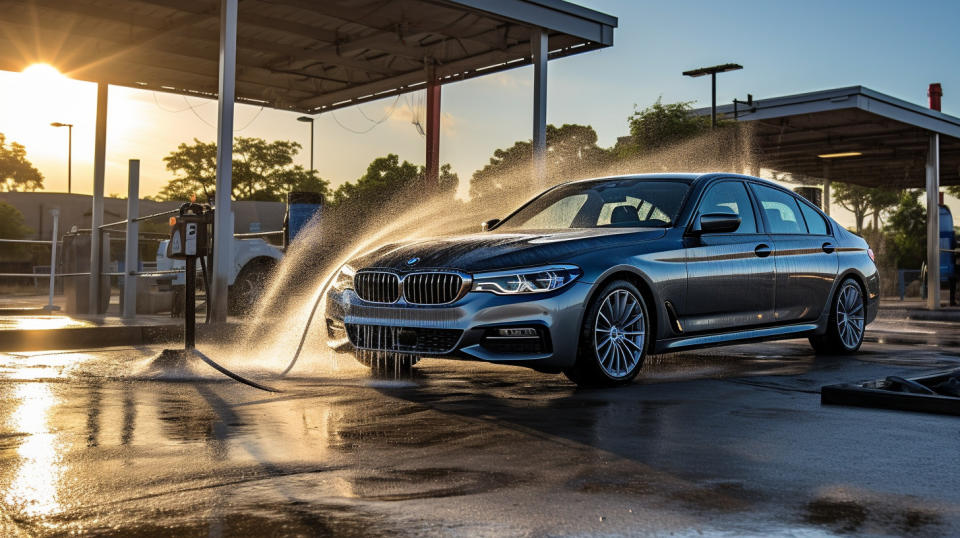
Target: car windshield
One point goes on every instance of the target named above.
(617, 203)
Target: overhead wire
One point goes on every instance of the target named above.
(193, 108)
(386, 116)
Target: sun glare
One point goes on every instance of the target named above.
(43, 73)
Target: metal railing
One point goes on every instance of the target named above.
(132, 240)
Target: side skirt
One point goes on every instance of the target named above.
(765, 333)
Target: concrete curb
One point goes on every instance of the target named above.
(919, 314)
(109, 336)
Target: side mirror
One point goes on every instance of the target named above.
(716, 223)
(486, 225)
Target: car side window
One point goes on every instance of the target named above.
(781, 210)
(730, 197)
(815, 223)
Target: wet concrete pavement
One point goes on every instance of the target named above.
(721, 441)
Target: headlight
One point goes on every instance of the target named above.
(344, 278)
(527, 280)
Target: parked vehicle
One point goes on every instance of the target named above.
(252, 261)
(592, 276)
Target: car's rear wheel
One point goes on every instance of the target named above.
(383, 363)
(613, 339)
(846, 324)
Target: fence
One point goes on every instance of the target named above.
(131, 267)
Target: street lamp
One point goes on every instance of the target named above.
(69, 127)
(712, 71)
(308, 119)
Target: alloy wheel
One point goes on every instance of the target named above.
(619, 333)
(850, 315)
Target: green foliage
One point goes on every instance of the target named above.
(16, 172)
(660, 125)
(261, 171)
(864, 201)
(907, 230)
(12, 227)
(389, 180)
(570, 147)
(954, 190)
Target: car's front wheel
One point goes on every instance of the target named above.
(613, 339)
(845, 326)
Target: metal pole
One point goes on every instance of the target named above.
(826, 187)
(933, 223)
(190, 304)
(69, 158)
(53, 259)
(96, 216)
(539, 44)
(131, 262)
(713, 100)
(223, 226)
(312, 145)
(433, 131)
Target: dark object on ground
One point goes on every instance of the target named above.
(938, 393)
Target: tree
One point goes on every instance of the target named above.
(389, 180)
(907, 227)
(854, 199)
(881, 200)
(261, 171)
(571, 148)
(12, 227)
(16, 172)
(660, 125)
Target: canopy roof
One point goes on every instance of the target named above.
(301, 55)
(891, 135)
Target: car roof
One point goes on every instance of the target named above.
(686, 177)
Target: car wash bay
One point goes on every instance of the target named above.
(860, 136)
(306, 57)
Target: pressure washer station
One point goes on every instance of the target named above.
(190, 234)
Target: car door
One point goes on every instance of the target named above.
(731, 277)
(804, 252)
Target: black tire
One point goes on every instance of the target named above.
(248, 287)
(837, 341)
(594, 363)
(385, 364)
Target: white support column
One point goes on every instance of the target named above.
(96, 216)
(131, 260)
(826, 197)
(223, 224)
(933, 223)
(540, 51)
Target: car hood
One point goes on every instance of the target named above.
(491, 250)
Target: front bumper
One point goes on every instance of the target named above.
(464, 329)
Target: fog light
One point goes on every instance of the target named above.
(517, 332)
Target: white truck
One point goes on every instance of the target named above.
(252, 262)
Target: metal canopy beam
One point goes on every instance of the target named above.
(293, 54)
(538, 44)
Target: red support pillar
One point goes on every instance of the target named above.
(433, 132)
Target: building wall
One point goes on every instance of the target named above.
(75, 210)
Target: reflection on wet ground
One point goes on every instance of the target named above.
(728, 439)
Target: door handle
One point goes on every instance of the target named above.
(762, 250)
(828, 248)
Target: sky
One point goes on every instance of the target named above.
(897, 48)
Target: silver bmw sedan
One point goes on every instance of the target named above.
(590, 277)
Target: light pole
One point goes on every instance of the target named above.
(69, 127)
(308, 119)
(712, 71)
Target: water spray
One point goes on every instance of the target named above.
(189, 240)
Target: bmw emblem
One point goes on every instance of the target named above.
(413, 261)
